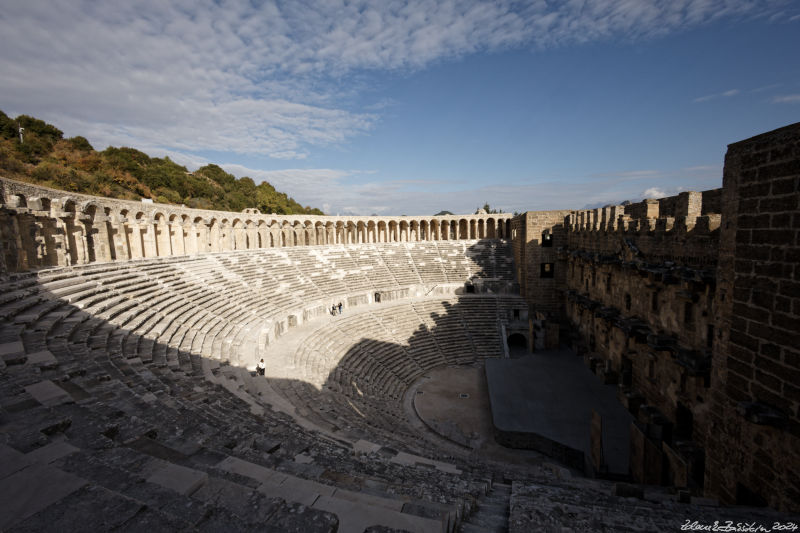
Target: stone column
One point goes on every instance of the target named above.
(21, 257)
(119, 238)
(81, 238)
(101, 239)
(148, 233)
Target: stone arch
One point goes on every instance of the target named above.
(517, 340)
(330, 232)
(251, 232)
(298, 233)
(72, 234)
(144, 236)
(263, 231)
(413, 231)
(403, 236)
(176, 234)
(89, 213)
(214, 236)
(287, 233)
(238, 235)
(161, 235)
(319, 232)
(124, 235)
(275, 232)
(490, 229)
(463, 229)
(198, 236)
(372, 232)
(350, 232)
(308, 236)
(361, 232)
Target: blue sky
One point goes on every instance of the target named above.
(412, 107)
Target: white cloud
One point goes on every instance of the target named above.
(787, 99)
(337, 192)
(724, 94)
(654, 192)
(269, 77)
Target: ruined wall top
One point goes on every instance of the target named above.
(35, 198)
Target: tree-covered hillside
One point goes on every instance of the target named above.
(46, 158)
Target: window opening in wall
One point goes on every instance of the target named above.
(547, 240)
(377, 297)
(684, 422)
(654, 301)
(470, 289)
(516, 314)
(627, 302)
(546, 270)
(709, 336)
(688, 313)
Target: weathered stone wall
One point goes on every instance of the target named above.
(41, 227)
(640, 293)
(753, 438)
(690, 305)
(536, 237)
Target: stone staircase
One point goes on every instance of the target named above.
(491, 515)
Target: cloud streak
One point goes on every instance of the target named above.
(787, 99)
(724, 94)
(339, 193)
(273, 78)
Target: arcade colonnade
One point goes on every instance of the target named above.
(43, 227)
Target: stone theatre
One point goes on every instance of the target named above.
(130, 334)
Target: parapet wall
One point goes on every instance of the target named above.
(682, 228)
(42, 227)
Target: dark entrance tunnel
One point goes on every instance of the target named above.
(517, 340)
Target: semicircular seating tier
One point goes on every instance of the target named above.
(127, 366)
(127, 402)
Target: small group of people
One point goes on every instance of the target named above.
(336, 309)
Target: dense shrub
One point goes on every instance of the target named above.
(128, 173)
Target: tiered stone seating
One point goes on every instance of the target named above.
(503, 260)
(118, 409)
(123, 429)
(400, 263)
(358, 367)
(428, 262)
(118, 365)
(453, 260)
(478, 256)
(449, 330)
(370, 262)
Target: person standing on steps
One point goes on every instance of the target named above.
(261, 368)
(340, 308)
